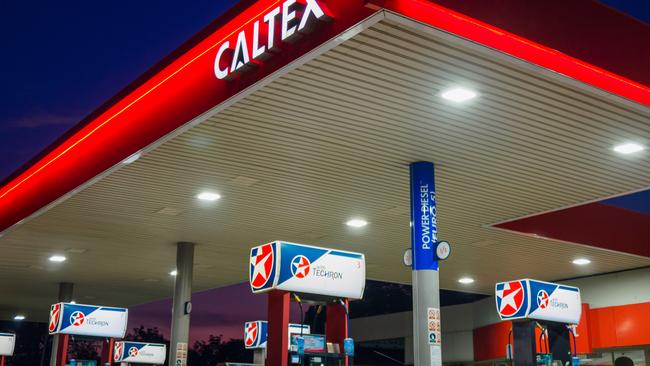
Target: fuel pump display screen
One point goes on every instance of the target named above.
(314, 343)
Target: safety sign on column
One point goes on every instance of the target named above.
(181, 354)
(433, 325)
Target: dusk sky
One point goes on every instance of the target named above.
(215, 312)
(63, 59)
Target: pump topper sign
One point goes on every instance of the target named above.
(137, 352)
(88, 320)
(261, 38)
(538, 300)
(7, 343)
(307, 269)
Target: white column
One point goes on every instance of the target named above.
(182, 304)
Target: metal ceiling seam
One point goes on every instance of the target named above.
(399, 61)
(511, 48)
(349, 65)
(615, 162)
(479, 57)
(435, 102)
(367, 111)
(455, 171)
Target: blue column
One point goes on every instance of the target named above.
(427, 333)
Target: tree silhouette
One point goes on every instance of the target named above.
(215, 350)
(149, 335)
(83, 350)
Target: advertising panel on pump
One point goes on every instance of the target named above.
(7, 344)
(307, 269)
(88, 320)
(137, 352)
(538, 300)
(256, 333)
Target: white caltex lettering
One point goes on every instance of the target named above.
(295, 16)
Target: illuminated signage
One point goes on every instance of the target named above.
(255, 41)
(7, 343)
(137, 352)
(424, 226)
(88, 320)
(307, 269)
(538, 300)
(256, 333)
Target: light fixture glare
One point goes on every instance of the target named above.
(208, 196)
(628, 148)
(458, 95)
(466, 280)
(581, 261)
(57, 258)
(356, 223)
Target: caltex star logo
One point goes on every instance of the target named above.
(117, 352)
(133, 352)
(77, 318)
(300, 266)
(511, 298)
(55, 314)
(262, 262)
(542, 299)
(251, 334)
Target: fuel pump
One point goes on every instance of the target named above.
(7, 345)
(127, 353)
(313, 275)
(544, 308)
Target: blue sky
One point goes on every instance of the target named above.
(62, 59)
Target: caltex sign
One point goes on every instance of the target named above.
(307, 269)
(538, 300)
(137, 352)
(88, 320)
(256, 333)
(262, 37)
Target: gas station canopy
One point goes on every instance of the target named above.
(320, 133)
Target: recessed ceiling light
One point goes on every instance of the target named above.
(581, 261)
(208, 196)
(57, 258)
(628, 148)
(458, 95)
(357, 223)
(466, 280)
(19, 317)
(173, 273)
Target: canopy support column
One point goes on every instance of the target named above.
(427, 346)
(182, 304)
